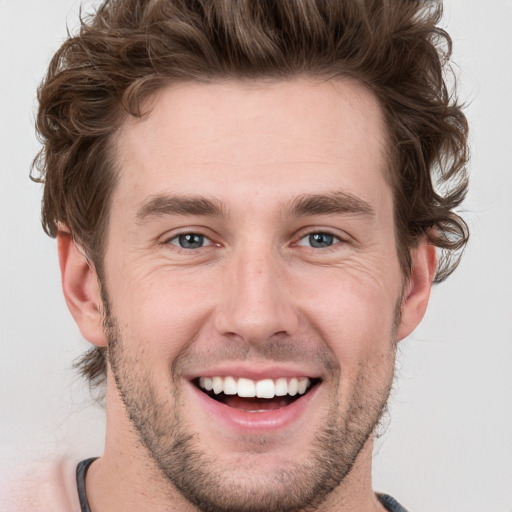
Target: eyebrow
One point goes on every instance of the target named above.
(330, 203)
(159, 205)
(307, 204)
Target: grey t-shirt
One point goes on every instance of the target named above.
(390, 503)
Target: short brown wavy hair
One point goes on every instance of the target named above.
(129, 49)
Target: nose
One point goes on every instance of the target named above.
(256, 302)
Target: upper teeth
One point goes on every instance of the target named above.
(248, 388)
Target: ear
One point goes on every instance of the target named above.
(81, 289)
(418, 286)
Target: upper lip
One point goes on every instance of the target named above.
(255, 372)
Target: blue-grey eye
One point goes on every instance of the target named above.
(318, 240)
(189, 241)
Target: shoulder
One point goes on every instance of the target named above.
(42, 487)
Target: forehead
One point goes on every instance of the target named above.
(284, 136)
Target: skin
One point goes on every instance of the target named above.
(256, 295)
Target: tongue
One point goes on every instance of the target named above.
(256, 404)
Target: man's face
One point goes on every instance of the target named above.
(251, 247)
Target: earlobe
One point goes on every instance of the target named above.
(81, 289)
(417, 288)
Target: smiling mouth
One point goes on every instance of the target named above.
(255, 396)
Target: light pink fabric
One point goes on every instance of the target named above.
(49, 487)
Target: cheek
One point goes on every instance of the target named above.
(162, 311)
(359, 330)
(355, 315)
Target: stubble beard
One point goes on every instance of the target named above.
(201, 480)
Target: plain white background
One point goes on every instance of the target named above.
(448, 445)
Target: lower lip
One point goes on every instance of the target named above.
(265, 421)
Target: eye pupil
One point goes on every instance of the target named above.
(320, 240)
(191, 241)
